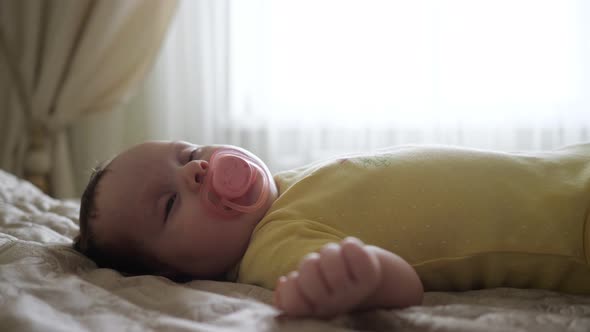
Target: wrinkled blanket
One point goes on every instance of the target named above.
(46, 286)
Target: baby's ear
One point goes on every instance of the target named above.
(77, 243)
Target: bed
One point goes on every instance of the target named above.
(47, 286)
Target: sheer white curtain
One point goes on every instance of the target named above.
(331, 76)
(295, 81)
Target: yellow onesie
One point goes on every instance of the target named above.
(463, 218)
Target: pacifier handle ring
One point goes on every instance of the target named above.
(253, 207)
(216, 209)
(235, 208)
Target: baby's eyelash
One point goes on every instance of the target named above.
(192, 155)
(169, 205)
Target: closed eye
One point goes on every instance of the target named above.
(169, 205)
(191, 155)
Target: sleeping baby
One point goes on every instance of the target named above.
(357, 232)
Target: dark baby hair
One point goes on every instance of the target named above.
(128, 261)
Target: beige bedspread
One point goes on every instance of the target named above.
(46, 286)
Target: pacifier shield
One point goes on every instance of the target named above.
(233, 176)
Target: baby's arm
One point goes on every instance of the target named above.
(346, 277)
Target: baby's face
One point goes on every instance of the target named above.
(150, 195)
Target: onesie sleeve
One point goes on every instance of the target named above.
(277, 248)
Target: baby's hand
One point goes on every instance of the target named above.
(336, 280)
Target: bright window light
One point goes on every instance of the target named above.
(406, 62)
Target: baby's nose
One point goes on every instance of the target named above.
(194, 172)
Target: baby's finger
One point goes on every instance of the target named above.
(290, 298)
(277, 293)
(333, 267)
(343, 296)
(311, 281)
(363, 265)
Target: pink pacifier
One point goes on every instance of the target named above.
(231, 175)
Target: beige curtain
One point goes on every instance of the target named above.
(60, 60)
